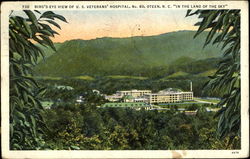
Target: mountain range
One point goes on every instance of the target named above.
(125, 56)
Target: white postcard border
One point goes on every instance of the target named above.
(244, 152)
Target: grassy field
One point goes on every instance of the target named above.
(47, 78)
(207, 73)
(89, 78)
(207, 100)
(179, 105)
(178, 75)
(127, 77)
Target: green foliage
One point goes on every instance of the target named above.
(224, 26)
(47, 51)
(119, 56)
(193, 107)
(87, 128)
(109, 85)
(26, 122)
(179, 74)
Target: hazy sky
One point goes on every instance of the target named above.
(121, 23)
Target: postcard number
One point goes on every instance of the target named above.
(235, 152)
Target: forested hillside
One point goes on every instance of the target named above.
(125, 56)
(47, 51)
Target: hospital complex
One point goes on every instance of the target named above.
(169, 95)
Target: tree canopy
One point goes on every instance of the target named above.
(224, 30)
(26, 123)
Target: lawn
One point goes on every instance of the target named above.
(89, 78)
(127, 77)
(211, 100)
(47, 78)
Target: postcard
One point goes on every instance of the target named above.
(125, 79)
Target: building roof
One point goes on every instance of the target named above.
(128, 97)
(125, 104)
(172, 90)
(113, 96)
(134, 90)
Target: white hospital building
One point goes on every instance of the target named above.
(169, 95)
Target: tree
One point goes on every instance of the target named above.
(26, 121)
(224, 30)
(192, 107)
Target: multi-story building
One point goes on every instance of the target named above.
(186, 96)
(134, 93)
(113, 98)
(169, 96)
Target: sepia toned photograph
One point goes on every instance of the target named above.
(132, 76)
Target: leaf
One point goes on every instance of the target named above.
(204, 13)
(234, 120)
(32, 17)
(209, 37)
(17, 147)
(225, 19)
(206, 21)
(48, 41)
(11, 130)
(21, 115)
(188, 12)
(27, 124)
(34, 102)
(30, 79)
(40, 41)
(54, 32)
(27, 27)
(60, 17)
(37, 11)
(22, 39)
(42, 91)
(197, 24)
(75, 147)
(11, 21)
(13, 35)
(26, 121)
(53, 23)
(46, 14)
(33, 121)
(46, 32)
(219, 112)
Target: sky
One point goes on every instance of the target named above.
(92, 24)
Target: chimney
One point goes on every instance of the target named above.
(191, 89)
